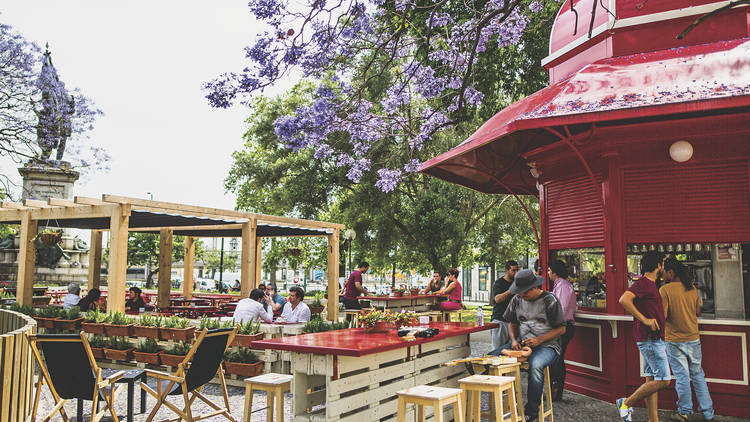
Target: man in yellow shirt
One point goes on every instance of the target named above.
(682, 306)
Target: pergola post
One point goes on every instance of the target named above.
(248, 264)
(95, 259)
(118, 258)
(189, 264)
(165, 267)
(258, 260)
(333, 276)
(26, 260)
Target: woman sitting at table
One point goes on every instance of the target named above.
(251, 309)
(453, 290)
(135, 302)
(90, 301)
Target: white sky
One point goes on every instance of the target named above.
(143, 63)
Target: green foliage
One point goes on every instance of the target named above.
(49, 312)
(316, 325)
(212, 260)
(209, 323)
(179, 349)
(148, 346)
(119, 318)
(150, 321)
(98, 341)
(25, 309)
(118, 343)
(73, 313)
(242, 355)
(248, 328)
(182, 323)
(95, 316)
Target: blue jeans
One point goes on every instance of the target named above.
(685, 360)
(655, 362)
(540, 358)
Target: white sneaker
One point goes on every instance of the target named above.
(626, 413)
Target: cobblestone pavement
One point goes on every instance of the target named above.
(573, 408)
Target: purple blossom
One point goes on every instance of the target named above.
(412, 166)
(535, 6)
(264, 9)
(388, 179)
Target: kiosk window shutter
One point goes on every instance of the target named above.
(695, 203)
(574, 213)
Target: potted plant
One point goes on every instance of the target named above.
(119, 348)
(69, 320)
(45, 317)
(147, 352)
(94, 322)
(119, 325)
(398, 292)
(208, 323)
(49, 236)
(414, 291)
(181, 329)
(248, 332)
(375, 321)
(316, 306)
(98, 343)
(405, 318)
(175, 354)
(148, 326)
(243, 362)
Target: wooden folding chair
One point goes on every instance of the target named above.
(190, 377)
(70, 371)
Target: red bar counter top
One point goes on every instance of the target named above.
(356, 342)
(407, 297)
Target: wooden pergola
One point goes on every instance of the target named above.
(121, 215)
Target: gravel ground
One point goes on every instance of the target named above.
(573, 407)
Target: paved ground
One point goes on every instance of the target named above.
(573, 408)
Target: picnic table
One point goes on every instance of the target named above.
(416, 303)
(217, 299)
(182, 301)
(357, 374)
(192, 311)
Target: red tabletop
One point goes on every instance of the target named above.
(404, 297)
(356, 342)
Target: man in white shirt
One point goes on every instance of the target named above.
(296, 310)
(251, 309)
(72, 298)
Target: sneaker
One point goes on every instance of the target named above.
(679, 417)
(626, 413)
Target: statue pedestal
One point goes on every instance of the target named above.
(43, 180)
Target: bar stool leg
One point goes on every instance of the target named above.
(493, 406)
(269, 404)
(401, 409)
(476, 409)
(248, 401)
(458, 412)
(420, 413)
(279, 405)
(498, 400)
(519, 392)
(438, 417)
(513, 405)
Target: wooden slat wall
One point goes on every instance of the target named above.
(16, 370)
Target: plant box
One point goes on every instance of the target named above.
(45, 322)
(92, 327)
(378, 327)
(68, 324)
(98, 352)
(119, 330)
(397, 293)
(181, 334)
(244, 369)
(170, 360)
(143, 357)
(244, 340)
(315, 309)
(122, 355)
(164, 334)
(150, 332)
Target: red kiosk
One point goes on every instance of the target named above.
(640, 142)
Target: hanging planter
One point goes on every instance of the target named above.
(50, 237)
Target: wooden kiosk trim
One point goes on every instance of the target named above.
(120, 215)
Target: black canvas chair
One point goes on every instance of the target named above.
(200, 366)
(70, 371)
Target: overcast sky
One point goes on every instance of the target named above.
(143, 63)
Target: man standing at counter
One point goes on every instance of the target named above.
(502, 296)
(354, 288)
(642, 300)
(535, 320)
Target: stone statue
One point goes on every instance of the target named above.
(7, 241)
(48, 255)
(55, 123)
(78, 244)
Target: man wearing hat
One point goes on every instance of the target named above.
(537, 321)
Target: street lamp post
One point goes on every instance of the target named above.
(350, 235)
(221, 261)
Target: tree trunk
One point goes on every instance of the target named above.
(150, 278)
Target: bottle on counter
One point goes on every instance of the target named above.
(480, 316)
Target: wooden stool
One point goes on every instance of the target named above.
(434, 315)
(473, 387)
(355, 313)
(275, 385)
(430, 395)
(514, 369)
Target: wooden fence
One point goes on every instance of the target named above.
(16, 366)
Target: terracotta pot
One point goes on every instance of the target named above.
(244, 369)
(164, 334)
(119, 330)
(92, 327)
(170, 360)
(398, 294)
(414, 292)
(379, 327)
(143, 357)
(150, 332)
(244, 340)
(122, 355)
(315, 309)
(182, 334)
(45, 322)
(68, 324)
(98, 352)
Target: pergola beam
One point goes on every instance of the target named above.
(118, 254)
(165, 267)
(26, 258)
(95, 260)
(188, 265)
(333, 276)
(247, 260)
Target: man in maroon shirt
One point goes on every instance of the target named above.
(354, 287)
(643, 301)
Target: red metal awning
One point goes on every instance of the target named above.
(657, 84)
